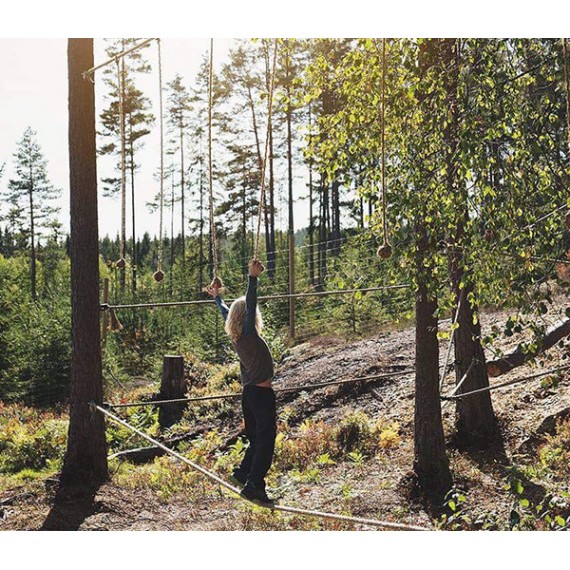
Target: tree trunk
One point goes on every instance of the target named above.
(201, 236)
(430, 461)
(86, 457)
(171, 272)
(311, 228)
(291, 227)
(475, 423)
(182, 192)
(519, 356)
(335, 218)
(33, 261)
(122, 118)
(172, 387)
(133, 215)
(323, 233)
(270, 240)
(244, 267)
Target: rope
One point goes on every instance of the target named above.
(507, 383)
(121, 87)
(567, 84)
(277, 390)
(383, 143)
(91, 71)
(169, 304)
(161, 111)
(235, 490)
(451, 339)
(213, 237)
(261, 208)
(460, 383)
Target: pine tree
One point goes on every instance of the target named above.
(31, 196)
(178, 110)
(137, 120)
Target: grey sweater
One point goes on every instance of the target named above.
(256, 363)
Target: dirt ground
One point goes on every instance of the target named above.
(379, 488)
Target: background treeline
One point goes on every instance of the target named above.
(476, 152)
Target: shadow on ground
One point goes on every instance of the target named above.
(71, 507)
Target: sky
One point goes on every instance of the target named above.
(33, 92)
(33, 74)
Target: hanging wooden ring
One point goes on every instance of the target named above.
(158, 275)
(216, 283)
(120, 263)
(384, 251)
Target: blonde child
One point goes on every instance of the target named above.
(243, 325)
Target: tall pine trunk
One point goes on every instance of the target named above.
(182, 195)
(311, 228)
(86, 457)
(33, 260)
(122, 95)
(201, 233)
(133, 214)
(270, 224)
(171, 272)
(291, 225)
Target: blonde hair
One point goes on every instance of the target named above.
(236, 317)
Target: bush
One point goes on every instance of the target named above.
(30, 440)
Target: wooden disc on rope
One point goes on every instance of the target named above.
(489, 235)
(120, 263)
(384, 251)
(216, 283)
(158, 275)
(567, 220)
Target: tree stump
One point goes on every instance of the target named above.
(172, 387)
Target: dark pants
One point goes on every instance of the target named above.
(259, 412)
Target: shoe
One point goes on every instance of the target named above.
(256, 495)
(238, 478)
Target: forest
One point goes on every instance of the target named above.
(409, 200)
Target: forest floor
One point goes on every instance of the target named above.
(523, 480)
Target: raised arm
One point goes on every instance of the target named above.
(224, 309)
(255, 270)
(250, 306)
(214, 291)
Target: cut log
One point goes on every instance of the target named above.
(519, 356)
(172, 387)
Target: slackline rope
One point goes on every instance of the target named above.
(229, 487)
(507, 383)
(276, 390)
(168, 304)
(261, 208)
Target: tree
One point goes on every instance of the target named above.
(86, 457)
(126, 121)
(178, 110)
(475, 422)
(31, 196)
